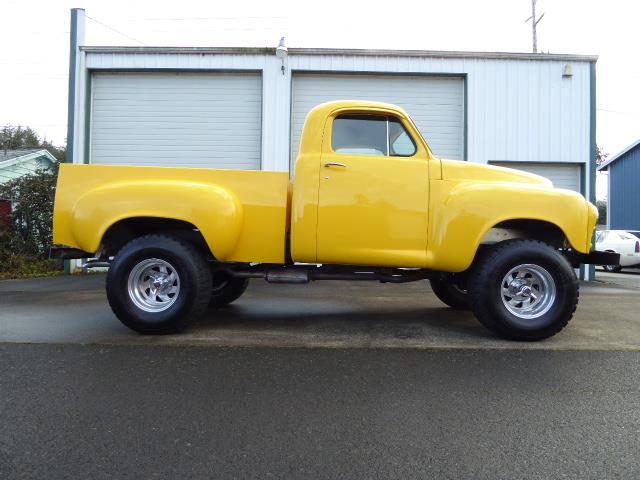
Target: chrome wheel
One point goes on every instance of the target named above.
(528, 291)
(153, 285)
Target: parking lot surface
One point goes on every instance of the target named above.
(140, 412)
(73, 309)
(629, 277)
(378, 381)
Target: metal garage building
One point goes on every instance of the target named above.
(623, 201)
(245, 107)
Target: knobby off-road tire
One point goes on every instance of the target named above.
(523, 290)
(158, 284)
(451, 289)
(225, 288)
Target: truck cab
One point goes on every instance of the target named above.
(361, 189)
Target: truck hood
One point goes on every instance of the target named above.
(459, 170)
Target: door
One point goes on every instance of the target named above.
(563, 175)
(373, 194)
(435, 103)
(178, 119)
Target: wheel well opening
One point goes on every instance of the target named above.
(123, 231)
(534, 229)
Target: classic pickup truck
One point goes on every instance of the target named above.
(369, 201)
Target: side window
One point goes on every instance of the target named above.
(400, 143)
(371, 135)
(360, 135)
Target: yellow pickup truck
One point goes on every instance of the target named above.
(369, 201)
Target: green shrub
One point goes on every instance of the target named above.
(24, 248)
(602, 212)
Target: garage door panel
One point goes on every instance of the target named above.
(181, 119)
(436, 104)
(563, 175)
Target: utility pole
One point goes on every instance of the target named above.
(534, 23)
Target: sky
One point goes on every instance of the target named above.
(34, 41)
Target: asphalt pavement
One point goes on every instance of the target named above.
(73, 309)
(329, 380)
(629, 277)
(142, 412)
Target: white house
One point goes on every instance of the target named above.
(15, 163)
(245, 107)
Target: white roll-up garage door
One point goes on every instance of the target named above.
(436, 104)
(563, 175)
(177, 119)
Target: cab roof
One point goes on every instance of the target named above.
(327, 108)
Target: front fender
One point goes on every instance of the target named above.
(214, 210)
(463, 212)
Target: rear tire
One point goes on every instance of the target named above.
(451, 289)
(158, 284)
(523, 290)
(226, 289)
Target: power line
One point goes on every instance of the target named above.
(115, 30)
(180, 19)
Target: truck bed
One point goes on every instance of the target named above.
(242, 214)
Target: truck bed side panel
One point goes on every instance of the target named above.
(241, 213)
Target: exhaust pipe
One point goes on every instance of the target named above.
(95, 263)
(287, 276)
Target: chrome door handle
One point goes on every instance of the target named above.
(334, 164)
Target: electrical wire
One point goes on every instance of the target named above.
(207, 18)
(115, 30)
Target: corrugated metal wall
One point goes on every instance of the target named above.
(624, 192)
(517, 109)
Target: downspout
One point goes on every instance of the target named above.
(590, 273)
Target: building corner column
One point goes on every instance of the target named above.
(74, 151)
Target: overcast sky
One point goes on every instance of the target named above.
(34, 39)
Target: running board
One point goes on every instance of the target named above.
(301, 274)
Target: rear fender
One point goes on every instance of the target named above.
(212, 209)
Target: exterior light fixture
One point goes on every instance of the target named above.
(282, 52)
(568, 71)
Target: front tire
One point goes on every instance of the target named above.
(523, 290)
(158, 284)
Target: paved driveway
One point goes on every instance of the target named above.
(81, 396)
(73, 309)
(629, 277)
